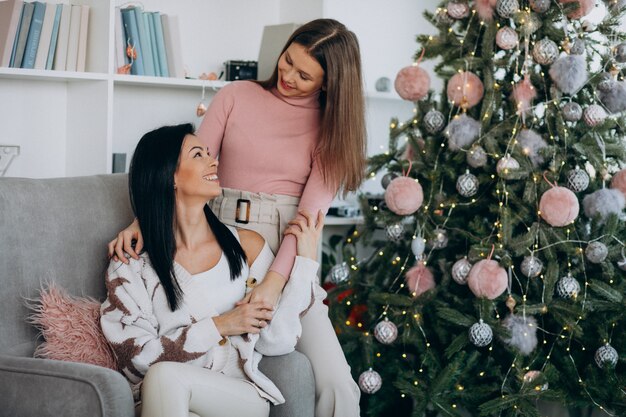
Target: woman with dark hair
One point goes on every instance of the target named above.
(286, 144)
(171, 315)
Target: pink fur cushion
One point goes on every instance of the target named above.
(71, 328)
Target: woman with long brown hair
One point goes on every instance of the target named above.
(286, 144)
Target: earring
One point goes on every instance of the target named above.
(175, 186)
(201, 108)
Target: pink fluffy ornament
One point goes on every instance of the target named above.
(524, 93)
(585, 7)
(619, 181)
(465, 89)
(487, 279)
(485, 9)
(412, 83)
(559, 206)
(419, 279)
(404, 196)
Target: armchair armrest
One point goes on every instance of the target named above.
(48, 388)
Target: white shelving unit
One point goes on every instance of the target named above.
(70, 123)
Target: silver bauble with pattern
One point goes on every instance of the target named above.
(339, 273)
(568, 287)
(507, 8)
(480, 334)
(596, 252)
(572, 112)
(531, 266)
(460, 271)
(467, 184)
(540, 6)
(386, 332)
(434, 121)
(370, 381)
(458, 9)
(394, 231)
(577, 180)
(594, 115)
(606, 357)
(545, 51)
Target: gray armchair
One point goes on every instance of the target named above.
(57, 230)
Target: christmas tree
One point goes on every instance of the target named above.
(497, 273)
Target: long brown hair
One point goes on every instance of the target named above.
(342, 141)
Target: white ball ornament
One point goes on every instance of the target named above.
(418, 246)
(386, 332)
(594, 115)
(506, 164)
(460, 271)
(596, 252)
(370, 381)
(467, 184)
(531, 266)
(507, 38)
(568, 287)
(577, 180)
(606, 357)
(394, 232)
(339, 273)
(404, 196)
(480, 334)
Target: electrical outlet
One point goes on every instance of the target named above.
(7, 153)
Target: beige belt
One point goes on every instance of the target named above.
(246, 207)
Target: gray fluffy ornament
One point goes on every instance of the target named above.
(522, 333)
(606, 357)
(480, 334)
(462, 132)
(532, 143)
(612, 94)
(545, 51)
(569, 73)
(578, 47)
(604, 202)
(596, 252)
(572, 112)
(476, 157)
(434, 121)
(540, 6)
(577, 180)
(620, 53)
(594, 114)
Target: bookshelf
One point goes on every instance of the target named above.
(70, 123)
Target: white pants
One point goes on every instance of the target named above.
(173, 389)
(336, 393)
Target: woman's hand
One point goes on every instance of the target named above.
(307, 231)
(123, 244)
(244, 318)
(267, 291)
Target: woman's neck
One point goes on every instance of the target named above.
(191, 228)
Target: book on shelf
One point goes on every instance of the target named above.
(72, 40)
(45, 37)
(54, 36)
(10, 14)
(121, 58)
(160, 45)
(152, 33)
(144, 40)
(81, 57)
(60, 53)
(131, 32)
(22, 36)
(34, 34)
(171, 36)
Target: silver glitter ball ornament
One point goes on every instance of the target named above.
(540, 6)
(480, 334)
(467, 184)
(507, 8)
(506, 164)
(387, 178)
(507, 38)
(606, 357)
(394, 231)
(596, 252)
(386, 332)
(418, 246)
(460, 271)
(545, 51)
(572, 112)
(458, 9)
(531, 266)
(439, 239)
(577, 180)
(434, 121)
(370, 381)
(577, 47)
(568, 287)
(339, 273)
(476, 157)
(594, 115)
(620, 53)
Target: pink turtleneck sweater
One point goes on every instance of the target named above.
(266, 144)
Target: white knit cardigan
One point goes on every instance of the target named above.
(137, 321)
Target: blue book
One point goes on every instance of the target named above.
(160, 44)
(144, 39)
(34, 33)
(153, 44)
(55, 35)
(17, 54)
(132, 37)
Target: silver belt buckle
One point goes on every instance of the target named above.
(239, 211)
